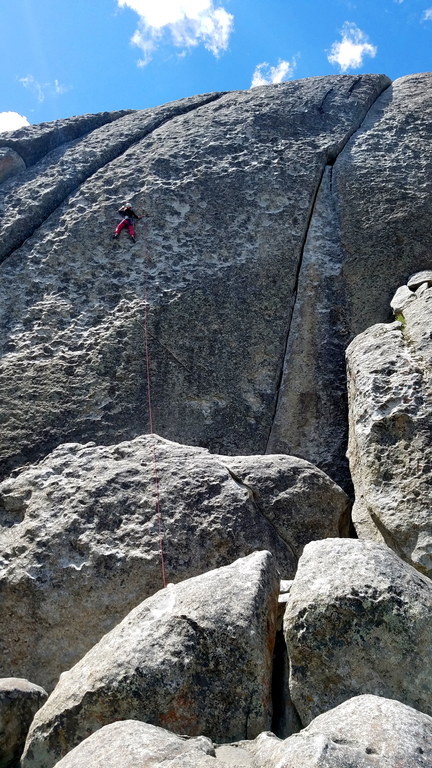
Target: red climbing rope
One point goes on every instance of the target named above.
(155, 472)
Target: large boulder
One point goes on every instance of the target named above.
(357, 621)
(390, 437)
(195, 658)
(228, 183)
(132, 743)
(79, 536)
(19, 702)
(369, 230)
(364, 732)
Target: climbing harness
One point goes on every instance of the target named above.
(149, 401)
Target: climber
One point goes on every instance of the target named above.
(128, 214)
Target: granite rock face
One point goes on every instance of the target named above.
(228, 183)
(19, 702)
(357, 621)
(138, 744)
(369, 230)
(80, 536)
(194, 658)
(390, 445)
(364, 732)
(10, 163)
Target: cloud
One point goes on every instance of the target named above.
(42, 90)
(10, 121)
(265, 74)
(349, 52)
(427, 16)
(187, 22)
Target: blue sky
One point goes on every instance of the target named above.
(65, 57)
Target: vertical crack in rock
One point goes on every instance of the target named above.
(40, 196)
(253, 497)
(279, 440)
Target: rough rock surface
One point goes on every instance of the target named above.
(131, 743)
(33, 142)
(357, 621)
(79, 536)
(228, 189)
(364, 732)
(194, 658)
(10, 163)
(390, 444)
(19, 702)
(369, 230)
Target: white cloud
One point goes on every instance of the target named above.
(10, 121)
(427, 16)
(349, 52)
(42, 90)
(188, 22)
(265, 74)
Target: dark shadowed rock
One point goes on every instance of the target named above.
(357, 621)
(364, 732)
(228, 189)
(194, 658)
(19, 702)
(390, 445)
(79, 536)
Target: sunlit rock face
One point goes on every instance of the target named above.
(228, 184)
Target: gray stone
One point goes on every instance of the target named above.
(195, 658)
(131, 743)
(10, 163)
(228, 189)
(390, 440)
(33, 142)
(364, 732)
(357, 621)
(401, 297)
(79, 536)
(415, 281)
(19, 702)
(369, 229)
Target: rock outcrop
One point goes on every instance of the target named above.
(364, 732)
(390, 445)
(228, 184)
(80, 536)
(357, 621)
(195, 658)
(132, 743)
(369, 229)
(19, 702)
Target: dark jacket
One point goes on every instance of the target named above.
(127, 212)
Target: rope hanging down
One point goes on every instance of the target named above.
(155, 472)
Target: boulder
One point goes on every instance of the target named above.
(137, 744)
(364, 732)
(19, 702)
(357, 621)
(195, 658)
(369, 229)
(227, 183)
(390, 436)
(79, 536)
(10, 163)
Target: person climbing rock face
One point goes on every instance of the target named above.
(128, 214)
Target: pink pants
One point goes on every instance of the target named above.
(126, 222)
